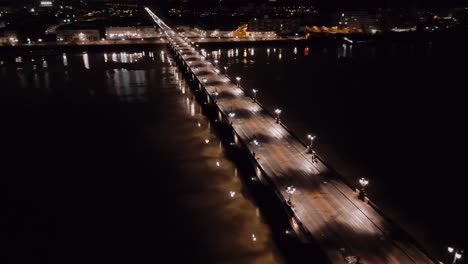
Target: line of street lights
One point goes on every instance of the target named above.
(457, 253)
(290, 190)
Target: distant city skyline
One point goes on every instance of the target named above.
(328, 4)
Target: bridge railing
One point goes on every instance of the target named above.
(300, 140)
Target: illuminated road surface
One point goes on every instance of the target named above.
(344, 226)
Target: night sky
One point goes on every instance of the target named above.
(332, 4)
(339, 4)
(347, 3)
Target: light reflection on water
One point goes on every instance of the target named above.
(229, 217)
(49, 74)
(65, 59)
(213, 197)
(345, 51)
(86, 61)
(358, 97)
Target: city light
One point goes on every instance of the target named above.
(254, 238)
(203, 124)
(255, 91)
(363, 182)
(238, 79)
(231, 116)
(290, 190)
(278, 113)
(457, 254)
(362, 192)
(311, 138)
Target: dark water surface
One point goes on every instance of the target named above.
(392, 112)
(107, 159)
(106, 162)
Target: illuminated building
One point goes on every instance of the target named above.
(9, 37)
(77, 35)
(131, 32)
(279, 25)
(358, 21)
(46, 3)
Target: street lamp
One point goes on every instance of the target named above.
(278, 113)
(255, 91)
(238, 81)
(311, 138)
(362, 193)
(231, 116)
(215, 94)
(290, 190)
(457, 254)
(225, 69)
(204, 82)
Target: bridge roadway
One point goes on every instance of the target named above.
(328, 209)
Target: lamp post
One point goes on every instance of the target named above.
(278, 113)
(238, 81)
(215, 95)
(225, 69)
(311, 138)
(362, 193)
(314, 157)
(254, 98)
(204, 82)
(457, 254)
(231, 116)
(290, 190)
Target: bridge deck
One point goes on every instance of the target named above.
(342, 224)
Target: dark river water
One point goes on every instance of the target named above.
(106, 154)
(108, 159)
(392, 112)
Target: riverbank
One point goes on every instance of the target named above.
(135, 44)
